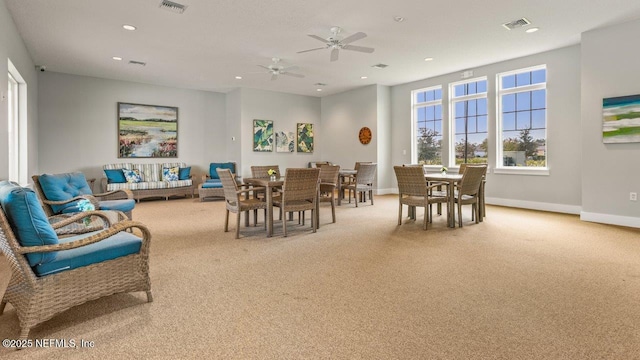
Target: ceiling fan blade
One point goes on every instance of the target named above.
(334, 54)
(288, 68)
(358, 48)
(274, 77)
(292, 74)
(304, 51)
(318, 38)
(354, 37)
(264, 67)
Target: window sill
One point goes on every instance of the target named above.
(521, 171)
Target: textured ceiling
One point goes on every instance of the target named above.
(214, 41)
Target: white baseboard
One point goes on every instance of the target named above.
(610, 219)
(386, 191)
(534, 205)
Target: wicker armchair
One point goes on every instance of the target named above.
(299, 193)
(413, 191)
(80, 187)
(328, 183)
(210, 185)
(235, 203)
(363, 182)
(81, 268)
(468, 189)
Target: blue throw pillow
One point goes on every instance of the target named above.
(185, 173)
(115, 176)
(60, 187)
(213, 173)
(28, 220)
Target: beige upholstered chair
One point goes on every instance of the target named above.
(413, 191)
(236, 202)
(328, 183)
(363, 182)
(299, 193)
(468, 189)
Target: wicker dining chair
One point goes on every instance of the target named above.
(483, 210)
(363, 182)
(236, 202)
(414, 191)
(328, 183)
(299, 193)
(468, 189)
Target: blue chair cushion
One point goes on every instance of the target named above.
(185, 173)
(28, 220)
(210, 184)
(123, 205)
(118, 245)
(213, 173)
(66, 186)
(115, 176)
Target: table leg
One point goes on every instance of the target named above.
(340, 192)
(269, 220)
(452, 209)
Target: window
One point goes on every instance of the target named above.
(469, 121)
(427, 126)
(522, 114)
(17, 139)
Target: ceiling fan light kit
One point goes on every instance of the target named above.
(335, 43)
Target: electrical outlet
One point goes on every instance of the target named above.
(633, 196)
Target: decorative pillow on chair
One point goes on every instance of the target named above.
(170, 174)
(132, 176)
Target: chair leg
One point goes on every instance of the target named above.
(2, 305)
(226, 222)
(356, 194)
(475, 209)
(399, 212)
(238, 225)
(284, 227)
(24, 333)
(313, 221)
(265, 219)
(371, 196)
(333, 209)
(426, 217)
(459, 214)
(255, 217)
(149, 296)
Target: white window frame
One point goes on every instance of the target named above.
(520, 170)
(17, 126)
(452, 126)
(414, 130)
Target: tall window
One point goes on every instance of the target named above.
(427, 129)
(469, 121)
(17, 139)
(522, 114)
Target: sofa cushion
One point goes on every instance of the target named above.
(213, 173)
(212, 184)
(170, 173)
(132, 176)
(65, 186)
(184, 173)
(115, 176)
(124, 205)
(28, 220)
(118, 245)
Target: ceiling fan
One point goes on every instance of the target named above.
(275, 69)
(334, 43)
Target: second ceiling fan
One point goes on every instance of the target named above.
(336, 44)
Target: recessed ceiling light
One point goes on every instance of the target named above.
(532, 30)
(239, 77)
(398, 19)
(118, 58)
(129, 27)
(428, 59)
(363, 77)
(318, 89)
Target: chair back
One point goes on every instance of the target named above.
(262, 171)
(471, 179)
(300, 184)
(320, 164)
(60, 187)
(329, 174)
(357, 166)
(462, 167)
(230, 187)
(411, 180)
(366, 173)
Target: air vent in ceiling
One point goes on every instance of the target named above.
(379, 66)
(320, 84)
(134, 62)
(516, 24)
(172, 6)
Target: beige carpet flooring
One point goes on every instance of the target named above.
(521, 285)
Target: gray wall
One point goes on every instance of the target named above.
(12, 47)
(79, 129)
(610, 172)
(286, 110)
(559, 191)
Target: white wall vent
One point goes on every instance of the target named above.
(172, 6)
(379, 66)
(134, 62)
(516, 24)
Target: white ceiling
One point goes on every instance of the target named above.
(214, 41)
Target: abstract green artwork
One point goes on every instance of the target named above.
(262, 135)
(305, 137)
(146, 131)
(621, 119)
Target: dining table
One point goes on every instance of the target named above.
(343, 173)
(269, 185)
(451, 180)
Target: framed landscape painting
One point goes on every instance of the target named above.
(262, 135)
(305, 137)
(147, 131)
(285, 141)
(621, 119)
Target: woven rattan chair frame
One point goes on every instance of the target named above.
(299, 193)
(37, 299)
(328, 184)
(204, 193)
(363, 182)
(94, 198)
(414, 191)
(468, 189)
(237, 200)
